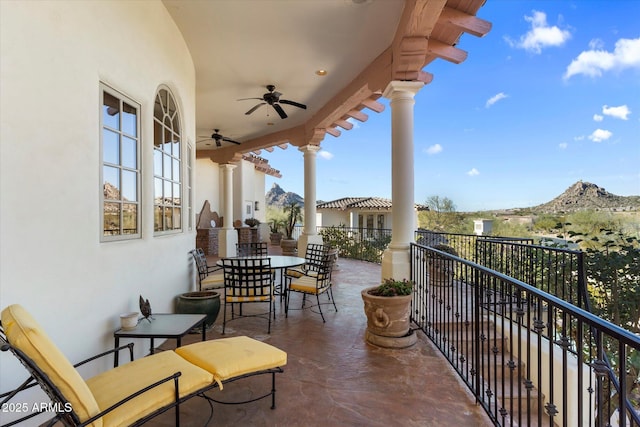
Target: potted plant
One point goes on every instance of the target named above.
(252, 222)
(388, 308)
(440, 269)
(276, 234)
(288, 244)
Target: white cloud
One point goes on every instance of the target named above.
(541, 35)
(597, 118)
(578, 138)
(563, 145)
(325, 155)
(600, 135)
(594, 62)
(473, 172)
(434, 149)
(495, 99)
(596, 44)
(621, 112)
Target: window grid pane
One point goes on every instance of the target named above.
(120, 171)
(167, 164)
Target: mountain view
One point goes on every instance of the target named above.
(579, 196)
(276, 197)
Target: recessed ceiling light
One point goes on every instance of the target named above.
(269, 123)
(321, 72)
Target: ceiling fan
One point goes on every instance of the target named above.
(273, 98)
(218, 138)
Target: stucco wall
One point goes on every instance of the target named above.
(54, 55)
(208, 185)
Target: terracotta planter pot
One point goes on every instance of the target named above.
(275, 238)
(200, 302)
(387, 316)
(289, 247)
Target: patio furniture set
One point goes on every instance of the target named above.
(142, 389)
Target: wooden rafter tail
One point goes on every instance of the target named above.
(465, 22)
(358, 115)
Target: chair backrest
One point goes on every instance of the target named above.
(201, 263)
(252, 249)
(247, 278)
(324, 269)
(48, 365)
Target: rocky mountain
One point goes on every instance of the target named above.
(585, 195)
(276, 197)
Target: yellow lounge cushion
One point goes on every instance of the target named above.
(213, 281)
(25, 334)
(231, 357)
(111, 386)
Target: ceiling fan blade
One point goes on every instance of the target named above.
(295, 104)
(280, 111)
(244, 99)
(202, 140)
(255, 108)
(224, 138)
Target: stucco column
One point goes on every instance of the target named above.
(395, 259)
(309, 234)
(228, 237)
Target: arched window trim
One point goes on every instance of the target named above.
(168, 170)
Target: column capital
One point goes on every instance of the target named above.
(309, 148)
(399, 86)
(228, 166)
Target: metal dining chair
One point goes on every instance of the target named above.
(247, 280)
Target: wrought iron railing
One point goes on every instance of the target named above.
(529, 357)
(466, 245)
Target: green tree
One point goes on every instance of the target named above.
(441, 216)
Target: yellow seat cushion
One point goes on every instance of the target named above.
(227, 358)
(111, 386)
(213, 281)
(307, 284)
(25, 334)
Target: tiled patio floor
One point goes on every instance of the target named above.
(333, 377)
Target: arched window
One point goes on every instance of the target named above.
(167, 164)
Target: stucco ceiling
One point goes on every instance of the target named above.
(239, 47)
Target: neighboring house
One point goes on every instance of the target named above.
(359, 212)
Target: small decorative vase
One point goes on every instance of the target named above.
(200, 302)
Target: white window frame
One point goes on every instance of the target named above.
(122, 98)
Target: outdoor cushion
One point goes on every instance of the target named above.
(233, 356)
(111, 386)
(305, 284)
(25, 334)
(213, 281)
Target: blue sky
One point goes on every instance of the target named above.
(549, 97)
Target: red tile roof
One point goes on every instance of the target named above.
(377, 203)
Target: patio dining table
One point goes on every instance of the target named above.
(278, 262)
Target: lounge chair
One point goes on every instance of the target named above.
(135, 392)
